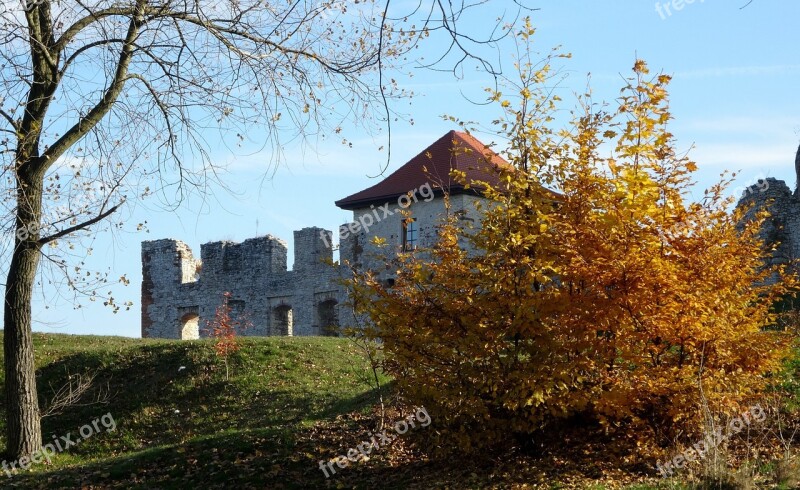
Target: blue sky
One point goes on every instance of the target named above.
(734, 97)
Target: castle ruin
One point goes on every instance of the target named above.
(782, 228)
(180, 293)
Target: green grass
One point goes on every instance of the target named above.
(289, 403)
(179, 422)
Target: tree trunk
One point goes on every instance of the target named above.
(23, 429)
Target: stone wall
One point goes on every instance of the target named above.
(782, 228)
(180, 293)
(358, 249)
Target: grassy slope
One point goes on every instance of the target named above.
(182, 427)
(290, 403)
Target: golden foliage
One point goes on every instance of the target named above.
(614, 297)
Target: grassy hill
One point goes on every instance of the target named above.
(289, 403)
(180, 424)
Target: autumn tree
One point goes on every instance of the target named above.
(104, 102)
(225, 328)
(595, 286)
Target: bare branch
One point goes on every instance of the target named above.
(80, 226)
(70, 394)
(86, 123)
(86, 21)
(86, 47)
(10, 120)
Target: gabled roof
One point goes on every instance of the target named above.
(454, 150)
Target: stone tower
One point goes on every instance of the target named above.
(782, 228)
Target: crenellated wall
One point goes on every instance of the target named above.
(180, 294)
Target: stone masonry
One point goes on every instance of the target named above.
(181, 293)
(782, 228)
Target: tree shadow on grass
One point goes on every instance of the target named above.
(166, 394)
(264, 457)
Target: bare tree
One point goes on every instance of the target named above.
(108, 101)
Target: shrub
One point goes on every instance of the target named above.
(611, 298)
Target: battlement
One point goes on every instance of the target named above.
(173, 257)
(260, 255)
(181, 293)
(312, 248)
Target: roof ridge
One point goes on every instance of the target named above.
(438, 159)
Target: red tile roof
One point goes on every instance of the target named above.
(454, 150)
